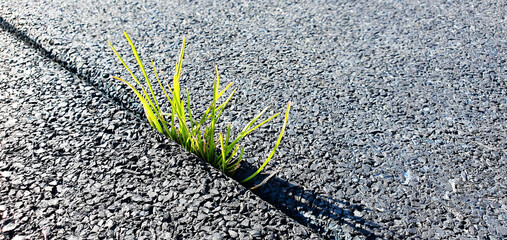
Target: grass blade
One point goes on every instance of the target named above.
(190, 111)
(196, 136)
(223, 151)
(152, 119)
(262, 123)
(274, 149)
(164, 123)
(128, 69)
(140, 63)
(228, 135)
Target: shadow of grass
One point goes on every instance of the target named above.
(325, 215)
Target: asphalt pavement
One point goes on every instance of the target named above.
(398, 123)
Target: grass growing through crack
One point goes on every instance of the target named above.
(196, 135)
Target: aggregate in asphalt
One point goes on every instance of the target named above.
(75, 165)
(399, 120)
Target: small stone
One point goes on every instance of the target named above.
(233, 234)
(19, 237)
(245, 223)
(201, 216)
(9, 227)
(11, 122)
(5, 174)
(152, 194)
(255, 233)
(214, 191)
(53, 202)
(358, 213)
(109, 223)
(216, 236)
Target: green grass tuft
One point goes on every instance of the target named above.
(196, 135)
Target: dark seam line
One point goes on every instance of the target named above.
(86, 78)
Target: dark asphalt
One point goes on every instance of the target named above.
(399, 120)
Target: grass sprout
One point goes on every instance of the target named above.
(199, 136)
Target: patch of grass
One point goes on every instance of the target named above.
(196, 135)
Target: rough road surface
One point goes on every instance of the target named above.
(74, 165)
(398, 128)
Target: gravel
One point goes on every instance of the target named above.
(398, 125)
(76, 165)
